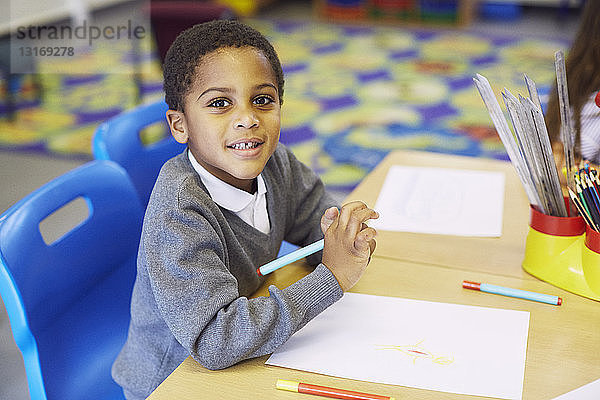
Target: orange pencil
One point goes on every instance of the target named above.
(325, 391)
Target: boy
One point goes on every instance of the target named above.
(221, 209)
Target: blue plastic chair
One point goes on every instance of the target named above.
(119, 140)
(68, 301)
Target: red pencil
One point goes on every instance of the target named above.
(325, 391)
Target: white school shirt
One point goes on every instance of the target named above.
(251, 208)
(590, 130)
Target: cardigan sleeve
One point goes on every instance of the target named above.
(198, 296)
(308, 201)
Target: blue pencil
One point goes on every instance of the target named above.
(521, 294)
(589, 199)
(290, 257)
(592, 188)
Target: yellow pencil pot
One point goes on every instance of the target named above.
(556, 252)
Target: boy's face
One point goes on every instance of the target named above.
(232, 115)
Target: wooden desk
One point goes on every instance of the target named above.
(502, 256)
(562, 351)
(563, 342)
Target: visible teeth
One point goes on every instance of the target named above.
(244, 146)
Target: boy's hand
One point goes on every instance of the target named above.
(349, 243)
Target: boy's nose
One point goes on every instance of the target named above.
(246, 120)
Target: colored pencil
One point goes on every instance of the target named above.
(581, 209)
(585, 194)
(593, 191)
(582, 200)
(521, 294)
(589, 201)
(290, 257)
(325, 391)
(593, 179)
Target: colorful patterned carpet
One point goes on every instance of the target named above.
(352, 94)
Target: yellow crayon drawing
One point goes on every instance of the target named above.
(417, 351)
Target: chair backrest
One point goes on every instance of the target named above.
(119, 140)
(68, 301)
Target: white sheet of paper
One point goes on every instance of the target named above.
(591, 391)
(441, 201)
(437, 346)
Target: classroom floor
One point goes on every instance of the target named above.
(23, 172)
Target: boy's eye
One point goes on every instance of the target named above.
(219, 103)
(263, 100)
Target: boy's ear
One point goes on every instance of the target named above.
(176, 121)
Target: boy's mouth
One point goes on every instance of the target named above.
(245, 144)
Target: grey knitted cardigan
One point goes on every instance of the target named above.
(197, 265)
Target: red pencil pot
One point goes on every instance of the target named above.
(556, 226)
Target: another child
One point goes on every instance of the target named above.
(221, 209)
(583, 80)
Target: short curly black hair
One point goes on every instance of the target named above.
(191, 45)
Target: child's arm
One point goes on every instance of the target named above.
(199, 299)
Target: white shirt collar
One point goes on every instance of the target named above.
(224, 194)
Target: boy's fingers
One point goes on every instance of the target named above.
(358, 219)
(372, 245)
(348, 209)
(329, 217)
(365, 240)
(331, 213)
